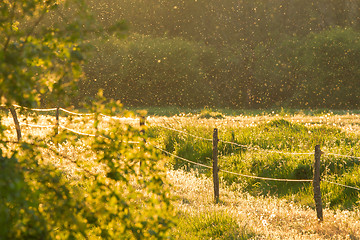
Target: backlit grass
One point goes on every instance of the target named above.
(248, 208)
(266, 136)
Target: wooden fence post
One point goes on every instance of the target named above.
(142, 123)
(316, 184)
(215, 165)
(16, 121)
(57, 121)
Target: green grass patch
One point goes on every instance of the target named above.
(208, 113)
(275, 135)
(211, 225)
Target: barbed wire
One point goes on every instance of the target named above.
(37, 126)
(266, 178)
(256, 148)
(79, 133)
(181, 158)
(180, 131)
(112, 117)
(71, 112)
(184, 132)
(237, 144)
(238, 174)
(202, 138)
(92, 114)
(78, 114)
(36, 109)
(119, 118)
(71, 130)
(57, 152)
(344, 156)
(251, 176)
(342, 185)
(94, 135)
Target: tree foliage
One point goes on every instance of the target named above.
(42, 49)
(330, 61)
(35, 59)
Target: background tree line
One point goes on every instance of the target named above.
(228, 53)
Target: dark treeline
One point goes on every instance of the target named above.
(252, 54)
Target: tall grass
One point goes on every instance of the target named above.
(273, 135)
(243, 216)
(211, 225)
(249, 208)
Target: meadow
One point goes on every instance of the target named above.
(248, 208)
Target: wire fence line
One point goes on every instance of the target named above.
(75, 113)
(237, 144)
(184, 159)
(93, 114)
(37, 126)
(180, 131)
(202, 138)
(266, 178)
(251, 176)
(257, 148)
(94, 135)
(61, 109)
(79, 133)
(342, 185)
(36, 109)
(238, 174)
(70, 130)
(343, 156)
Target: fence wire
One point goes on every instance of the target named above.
(238, 174)
(37, 126)
(77, 114)
(251, 176)
(181, 158)
(343, 156)
(268, 179)
(256, 148)
(36, 109)
(79, 133)
(342, 185)
(180, 131)
(70, 112)
(92, 114)
(202, 138)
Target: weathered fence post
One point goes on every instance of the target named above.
(316, 183)
(57, 121)
(16, 121)
(142, 123)
(215, 165)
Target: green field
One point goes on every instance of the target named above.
(248, 208)
(273, 143)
